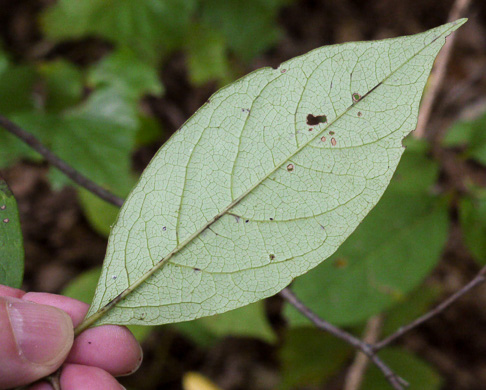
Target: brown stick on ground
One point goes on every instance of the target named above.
(438, 72)
(357, 370)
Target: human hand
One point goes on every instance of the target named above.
(36, 338)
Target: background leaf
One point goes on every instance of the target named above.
(259, 187)
(11, 242)
(309, 357)
(388, 255)
(419, 374)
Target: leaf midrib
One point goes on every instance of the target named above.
(100, 312)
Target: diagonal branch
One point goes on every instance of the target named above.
(60, 164)
(394, 380)
(478, 279)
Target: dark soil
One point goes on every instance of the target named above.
(60, 244)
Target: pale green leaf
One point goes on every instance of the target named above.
(247, 196)
(389, 254)
(83, 287)
(11, 242)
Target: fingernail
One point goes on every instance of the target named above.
(42, 333)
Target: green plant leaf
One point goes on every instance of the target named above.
(471, 135)
(11, 242)
(419, 374)
(63, 84)
(249, 26)
(149, 27)
(414, 305)
(264, 182)
(247, 321)
(472, 215)
(96, 137)
(127, 74)
(388, 255)
(207, 58)
(309, 357)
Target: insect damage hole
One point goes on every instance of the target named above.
(315, 120)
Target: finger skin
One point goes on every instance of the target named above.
(6, 291)
(34, 340)
(110, 347)
(79, 377)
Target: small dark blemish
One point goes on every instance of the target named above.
(332, 133)
(237, 219)
(315, 120)
(359, 113)
(311, 128)
(247, 221)
(283, 70)
(3, 207)
(89, 342)
(271, 256)
(356, 97)
(333, 141)
(271, 219)
(164, 228)
(114, 277)
(197, 269)
(6, 220)
(323, 138)
(290, 167)
(340, 263)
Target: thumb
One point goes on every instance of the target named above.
(34, 341)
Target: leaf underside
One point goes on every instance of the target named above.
(247, 196)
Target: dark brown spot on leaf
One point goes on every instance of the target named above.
(197, 269)
(332, 133)
(271, 256)
(359, 113)
(164, 228)
(290, 167)
(311, 128)
(315, 120)
(247, 221)
(271, 219)
(283, 70)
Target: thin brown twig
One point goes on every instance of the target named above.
(478, 279)
(357, 370)
(395, 381)
(60, 164)
(439, 71)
